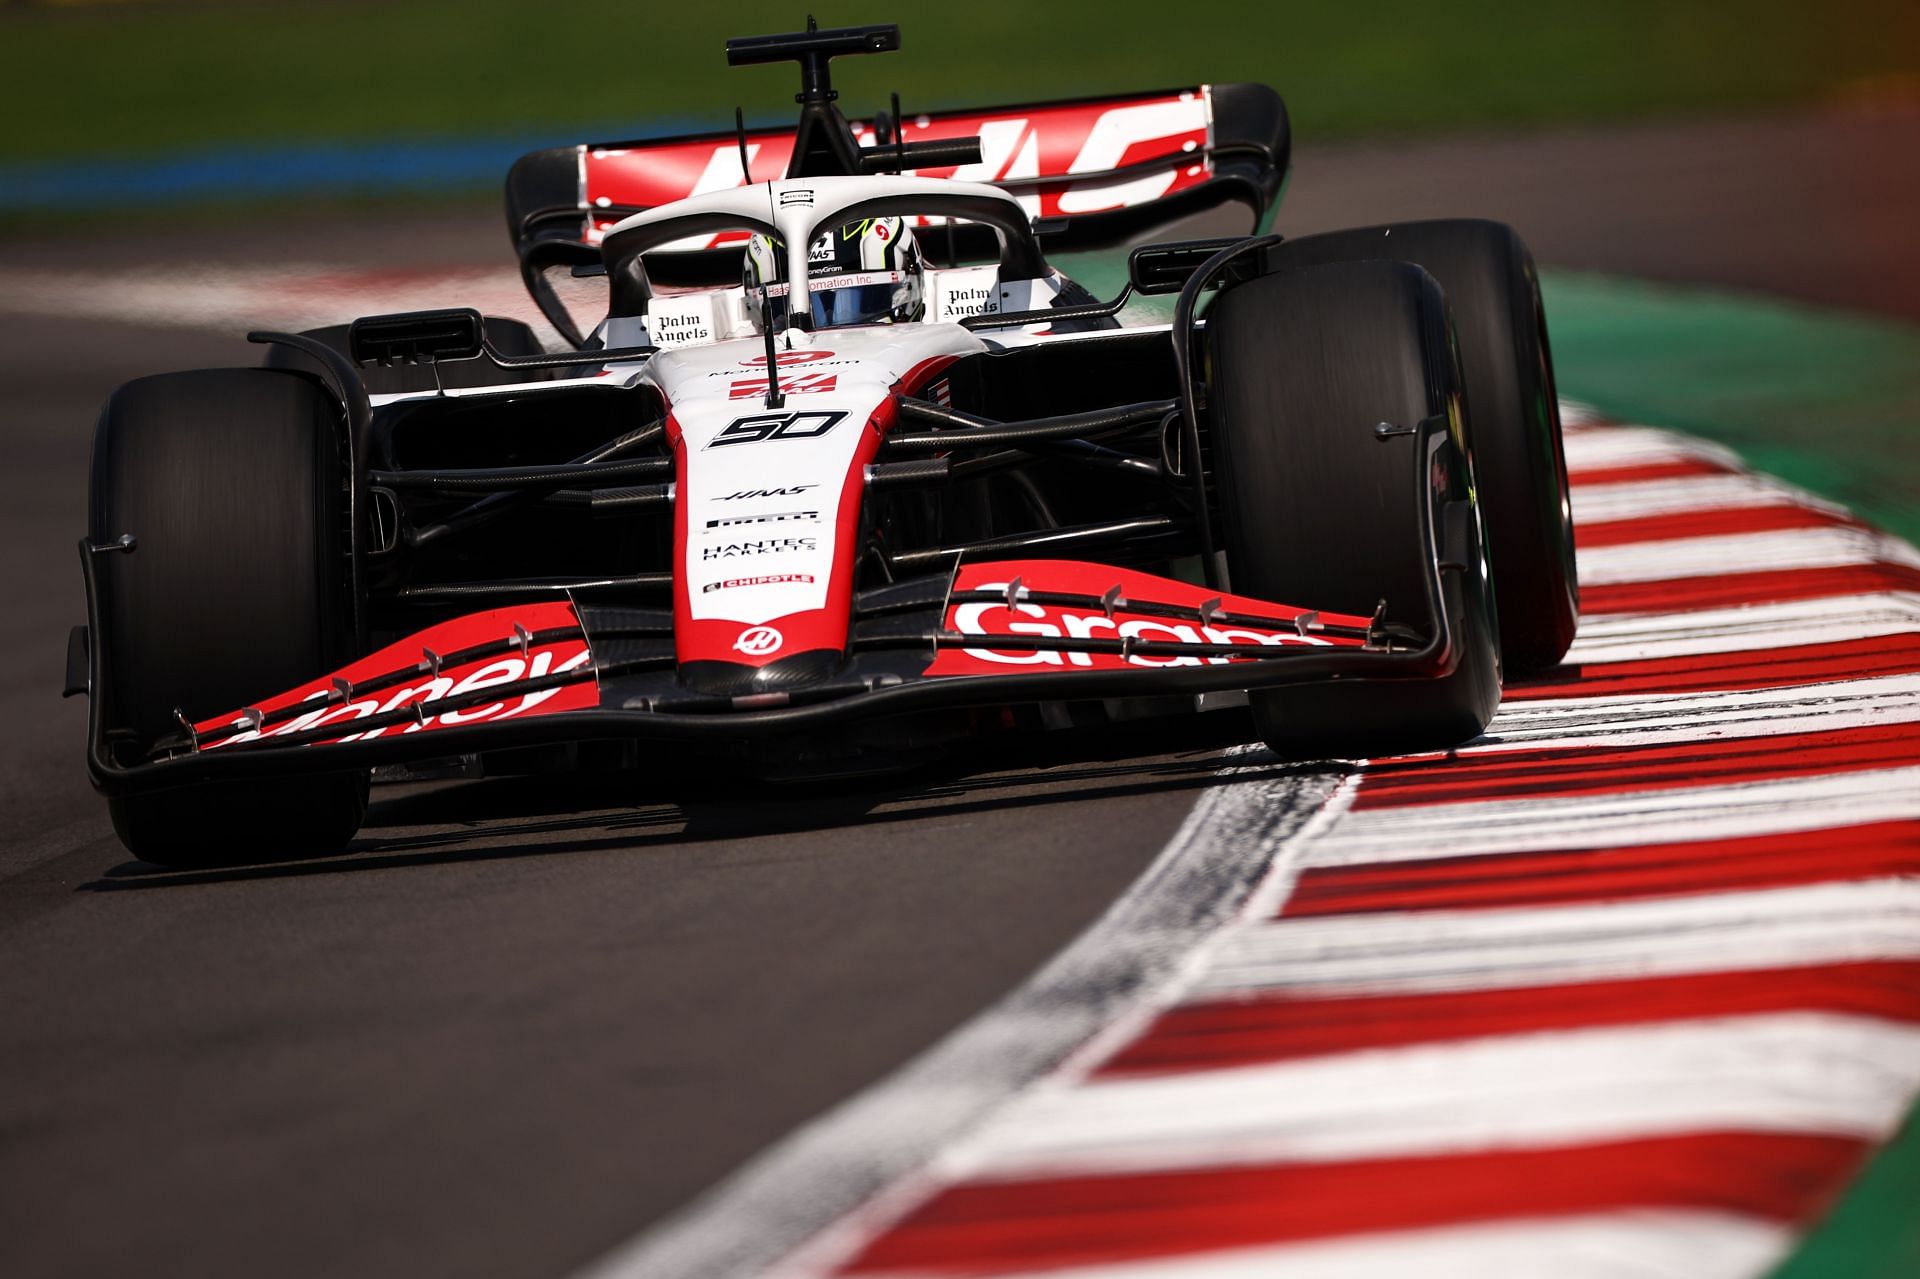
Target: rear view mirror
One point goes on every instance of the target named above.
(456, 334)
(1166, 268)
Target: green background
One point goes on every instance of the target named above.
(103, 79)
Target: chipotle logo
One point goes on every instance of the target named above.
(765, 579)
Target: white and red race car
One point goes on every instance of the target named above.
(779, 501)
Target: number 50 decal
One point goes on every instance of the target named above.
(776, 426)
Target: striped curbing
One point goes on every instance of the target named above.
(1734, 630)
(1715, 493)
(1496, 947)
(1629, 987)
(1795, 1071)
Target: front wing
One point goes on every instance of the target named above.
(989, 633)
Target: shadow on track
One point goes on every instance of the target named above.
(451, 822)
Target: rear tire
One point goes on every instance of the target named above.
(509, 337)
(1319, 512)
(1513, 413)
(232, 482)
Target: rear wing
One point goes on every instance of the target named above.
(1101, 172)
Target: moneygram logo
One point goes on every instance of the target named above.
(507, 673)
(758, 641)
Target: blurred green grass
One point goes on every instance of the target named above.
(102, 80)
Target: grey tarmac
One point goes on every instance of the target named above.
(524, 1018)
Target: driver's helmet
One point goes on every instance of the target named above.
(866, 272)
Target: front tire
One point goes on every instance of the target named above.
(1513, 413)
(232, 482)
(1320, 512)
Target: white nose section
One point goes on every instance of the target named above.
(768, 500)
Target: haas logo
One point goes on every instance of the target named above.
(758, 641)
(798, 384)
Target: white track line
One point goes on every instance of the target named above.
(1612, 820)
(1614, 446)
(1653, 719)
(1628, 637)
(1605, 503)
(1461, 950)
(1781, 1072)
(1741, 553)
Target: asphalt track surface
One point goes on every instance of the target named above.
(522, 1019)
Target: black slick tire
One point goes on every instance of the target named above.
(1513, 413)
(232, 482)
(1320, 512)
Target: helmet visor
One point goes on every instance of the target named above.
(836, 301)
(854, 304)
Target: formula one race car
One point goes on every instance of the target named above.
(845, 463)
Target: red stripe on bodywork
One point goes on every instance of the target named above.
(1585, 770)
(1725, 672)
(715, 639)
(915, 379)
(997, 1228)
(1639, 473)
(1499, 881)
(1224, 1034)
(1718, 522)
(1728, 590)
(1093, 581)
(428, 681)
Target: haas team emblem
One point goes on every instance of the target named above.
(758, 641)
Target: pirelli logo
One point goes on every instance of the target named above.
(775, 517)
